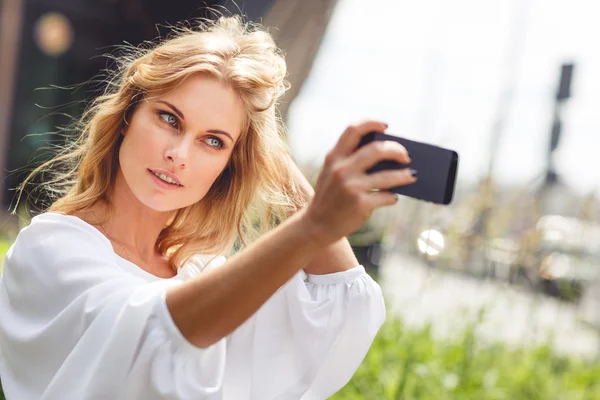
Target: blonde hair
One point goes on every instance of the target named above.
(256, 189)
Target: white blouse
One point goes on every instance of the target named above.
(79, 322)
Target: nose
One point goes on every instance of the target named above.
(178, 153)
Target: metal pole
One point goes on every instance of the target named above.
(563, 93)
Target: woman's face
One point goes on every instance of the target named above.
(178, 143)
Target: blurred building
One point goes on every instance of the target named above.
(46, 44)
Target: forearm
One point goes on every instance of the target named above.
(215, 303)
(333, 258)
(336, 257)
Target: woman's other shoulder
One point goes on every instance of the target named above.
(200, 263)
(54, 242)
(49, 232)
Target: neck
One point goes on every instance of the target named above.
(130, 223)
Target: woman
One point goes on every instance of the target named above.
(115, 292)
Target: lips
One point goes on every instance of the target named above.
(166, 176)
(162, 185)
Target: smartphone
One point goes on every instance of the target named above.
(436, 166)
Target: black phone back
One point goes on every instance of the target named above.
(436, 166)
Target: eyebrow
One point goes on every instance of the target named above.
(172, 107)
(220, 132)
(178, 112)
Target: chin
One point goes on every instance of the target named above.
(164, 203)
(159, 206)
(158, 203)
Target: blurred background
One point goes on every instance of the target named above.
(496, 296)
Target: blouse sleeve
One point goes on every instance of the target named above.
(74, 325)
(311, 336)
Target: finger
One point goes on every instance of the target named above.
(389, 179)
(351, 137)
(369, 155)
(380, 199)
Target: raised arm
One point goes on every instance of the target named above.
(335, 257)
(212, 305)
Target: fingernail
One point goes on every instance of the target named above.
(397, 196)
(386, 125)
(414, 172)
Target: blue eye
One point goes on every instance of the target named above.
(215, 142)
(168, 118)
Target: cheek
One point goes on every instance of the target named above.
(204, 174)
(208, 173)
(140, 144)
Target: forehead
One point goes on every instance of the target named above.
(207, 104)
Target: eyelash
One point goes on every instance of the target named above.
(161, 114)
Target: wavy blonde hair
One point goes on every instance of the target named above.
(255, 190)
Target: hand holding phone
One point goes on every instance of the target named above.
(436, 166)
(345, 195)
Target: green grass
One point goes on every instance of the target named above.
(408, 363)
(4, 246)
